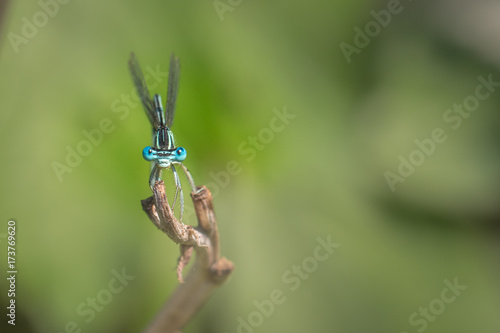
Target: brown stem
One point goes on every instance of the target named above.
(208, 271)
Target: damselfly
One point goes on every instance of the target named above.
(163, 153)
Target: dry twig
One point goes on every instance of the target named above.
(208, 271)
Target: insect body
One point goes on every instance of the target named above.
(163, 153)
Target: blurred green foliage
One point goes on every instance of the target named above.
(320, 175)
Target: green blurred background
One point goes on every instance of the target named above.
(321, 175)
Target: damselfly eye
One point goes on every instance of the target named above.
(180, 154)
(149, 154)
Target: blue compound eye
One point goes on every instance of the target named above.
(149, 154)
(180, 154)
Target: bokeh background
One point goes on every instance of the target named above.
(322, 174)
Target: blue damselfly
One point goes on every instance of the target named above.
(163, 153)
